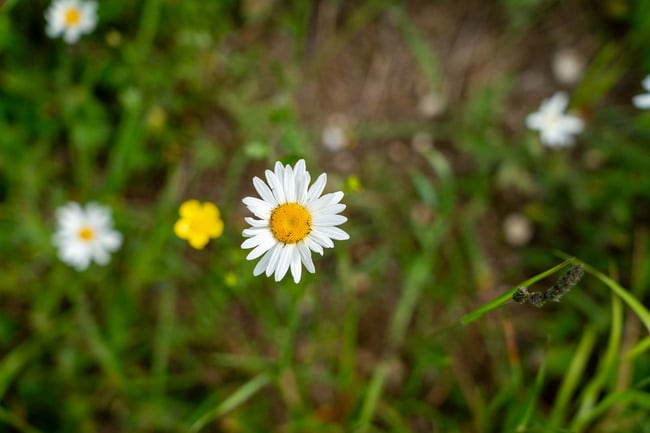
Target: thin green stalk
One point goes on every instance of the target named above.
(236, 399)
(420, 48)
(641, 347)
(20, 425)
(572, 377)
(417, 276)
(348, 352)
(14, 361)
(630, 396)
(163, 339)
(506, 297)
(605, 369)
(371, 399)
(641, 311)
(532, 398)
(98, 347)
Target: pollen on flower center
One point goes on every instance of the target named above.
(86, 234)
(290, 223)
(72, 17)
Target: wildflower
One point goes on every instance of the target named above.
(643, 101)
(85, 234)
(336, 133)
(294, 220)
(517, 229)
(71, 19)
(555, 127)
(568, 66)
(198, 223)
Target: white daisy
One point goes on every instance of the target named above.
(85, 234)
(71, 19)
(294, 220)
(642, 101)
(555, 127)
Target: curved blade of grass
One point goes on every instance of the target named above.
(14, 361)
(572, 377)
(630, 396)
(236, 399)
(607, 364)
(532, 397)
(638, 349)
(636, 306)
(498, 302)
(9, 418)
(371, 399)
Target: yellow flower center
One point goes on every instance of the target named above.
(290, 223)
(86, 234)
(72, 17)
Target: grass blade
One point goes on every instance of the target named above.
(572, 377)
(236, 399)
(498, 302)
(372, 398)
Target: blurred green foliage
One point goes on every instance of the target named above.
(168, 100)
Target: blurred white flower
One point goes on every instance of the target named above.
(517, 229)
(294, 220)
(85, 234)
(568, 66)
(643, 101)
(556, 128)
(431, 105)
(336, 133)
(70, 19)
(334, 137)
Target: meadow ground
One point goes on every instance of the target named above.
(418, 112)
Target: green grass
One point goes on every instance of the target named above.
(407, 327)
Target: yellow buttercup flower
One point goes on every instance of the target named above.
(198, 223)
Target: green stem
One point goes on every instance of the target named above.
(506, 297)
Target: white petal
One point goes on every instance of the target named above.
(296, 267)
(329, 220)
(558, 102)
(254, 231)
(646, 83)
(332, 233)
(305, 255)
(110, 240)
(302, 179)
(260, 208)
(571, 124)
(642, 101)
(289, 185)
(534, 121)
(286, 257)
(276, 187)
(257, 238)
(313, 246)
(278, 169)
(265, 244)
(317, 188)
(332, 209)
(273, 260)
(324, 202)
(320, 238)
(264, 191)
(262, 264)
(256, 223)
